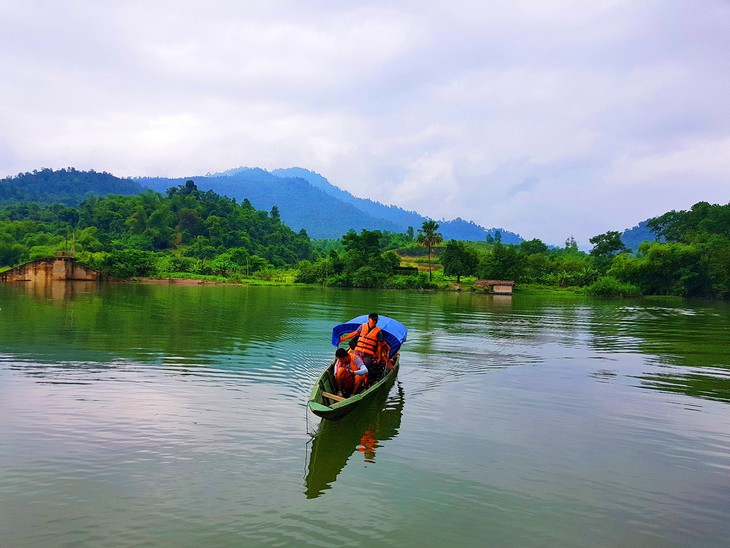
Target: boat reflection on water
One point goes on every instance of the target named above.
(361, 432)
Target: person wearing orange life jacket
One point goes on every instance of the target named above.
(350, 372)
(370, 339)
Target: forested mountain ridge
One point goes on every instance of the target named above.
(395, 214)
(300, 204)
(456, 229)
(633, 237)
(67, 186)
(184, 230)
(305, 199)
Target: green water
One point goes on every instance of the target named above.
(166, 415)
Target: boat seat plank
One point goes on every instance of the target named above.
(331, 396)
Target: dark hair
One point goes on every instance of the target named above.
(373, 316)
(340, 352)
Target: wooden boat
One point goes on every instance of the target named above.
(323, 400)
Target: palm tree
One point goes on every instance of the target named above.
(429, 237)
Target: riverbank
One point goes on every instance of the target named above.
(210, 280)
(286, 280)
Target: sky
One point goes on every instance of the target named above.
(548, 118)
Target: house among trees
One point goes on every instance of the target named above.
(498, 287)
(60, 268)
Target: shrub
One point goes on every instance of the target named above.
(367, 276)
(608, 286)
(127, 263)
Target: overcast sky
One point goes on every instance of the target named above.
(549, 118)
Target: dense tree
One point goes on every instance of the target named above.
(664, 269)
(201, 225)
(607, 244)
(533, 247)
(605, 247)
(504, 262)
(458, 260)
(200, 232)
(571, 244)
(694, 260)
(688, 226)
(64, 186)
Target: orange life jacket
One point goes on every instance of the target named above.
(346, 372)
(348, 367)
(367, 343)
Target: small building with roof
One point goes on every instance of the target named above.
(60, 268)
(498, 287)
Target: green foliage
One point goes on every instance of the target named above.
(12, 253)
(369, 277)
(362, 263)
(409, 282)
(688, 226)
(571, 244)
(607, 245)
(167, 264)
(64, 186)
(126, 263)
(187, 222)
(608, 286)
(533, 247)
(458, 260)
(664, 269)
(715, 261)
(504, 262)
(192, 232)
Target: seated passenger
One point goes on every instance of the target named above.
(369, 341)
(350, 373)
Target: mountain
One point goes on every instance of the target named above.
(66, 186)
(304, 199)
(632, 237)
(457, 229)
(300, 204)
(396, 215)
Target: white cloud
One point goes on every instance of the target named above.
(545, 118)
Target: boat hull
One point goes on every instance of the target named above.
(337, 410)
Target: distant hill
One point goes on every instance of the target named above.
(457, 229)
(304, 198)
(632, 237)
(300, 204)
(66, 186)
(399, 217)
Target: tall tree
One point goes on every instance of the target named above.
(458, 260)
(428, 237)
(607, 244)
(505, 262)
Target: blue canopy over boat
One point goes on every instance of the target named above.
(394, 332)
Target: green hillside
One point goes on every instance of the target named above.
(184, 230)
(66, 186)
(300, 204)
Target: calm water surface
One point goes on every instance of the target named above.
(175, 415)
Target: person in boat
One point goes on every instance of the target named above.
(369, 345)
(350, 373)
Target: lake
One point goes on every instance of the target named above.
(168, 415)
